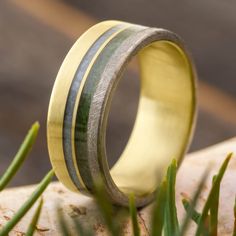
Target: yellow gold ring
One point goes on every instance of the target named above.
(80, 104)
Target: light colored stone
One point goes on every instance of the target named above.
(83, 207)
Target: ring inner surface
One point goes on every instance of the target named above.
(164, 119)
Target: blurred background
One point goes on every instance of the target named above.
(35, 36)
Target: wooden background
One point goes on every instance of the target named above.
(35, 35)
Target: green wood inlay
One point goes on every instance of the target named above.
(86, 98)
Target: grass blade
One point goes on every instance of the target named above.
(234, 233)
(20, 156)
(171, 220)
(35, 219)
(80, 229)
(214, 210)
(27, 205)
(133, 214)
(64, 228)
(106, 208)
(213, 191)
(194, 215)
(189, 207)
(159, 210)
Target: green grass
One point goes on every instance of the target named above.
(20, 157)
(34, 221)
(164, 219)
(133, 215)
(10, 173)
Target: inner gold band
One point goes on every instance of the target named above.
(164, 120)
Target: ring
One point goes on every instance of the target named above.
(80, 105)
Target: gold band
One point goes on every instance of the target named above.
(80, 105)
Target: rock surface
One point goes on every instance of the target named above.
(75, 205)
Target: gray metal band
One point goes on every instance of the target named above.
(99, 107)
(94, 77)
